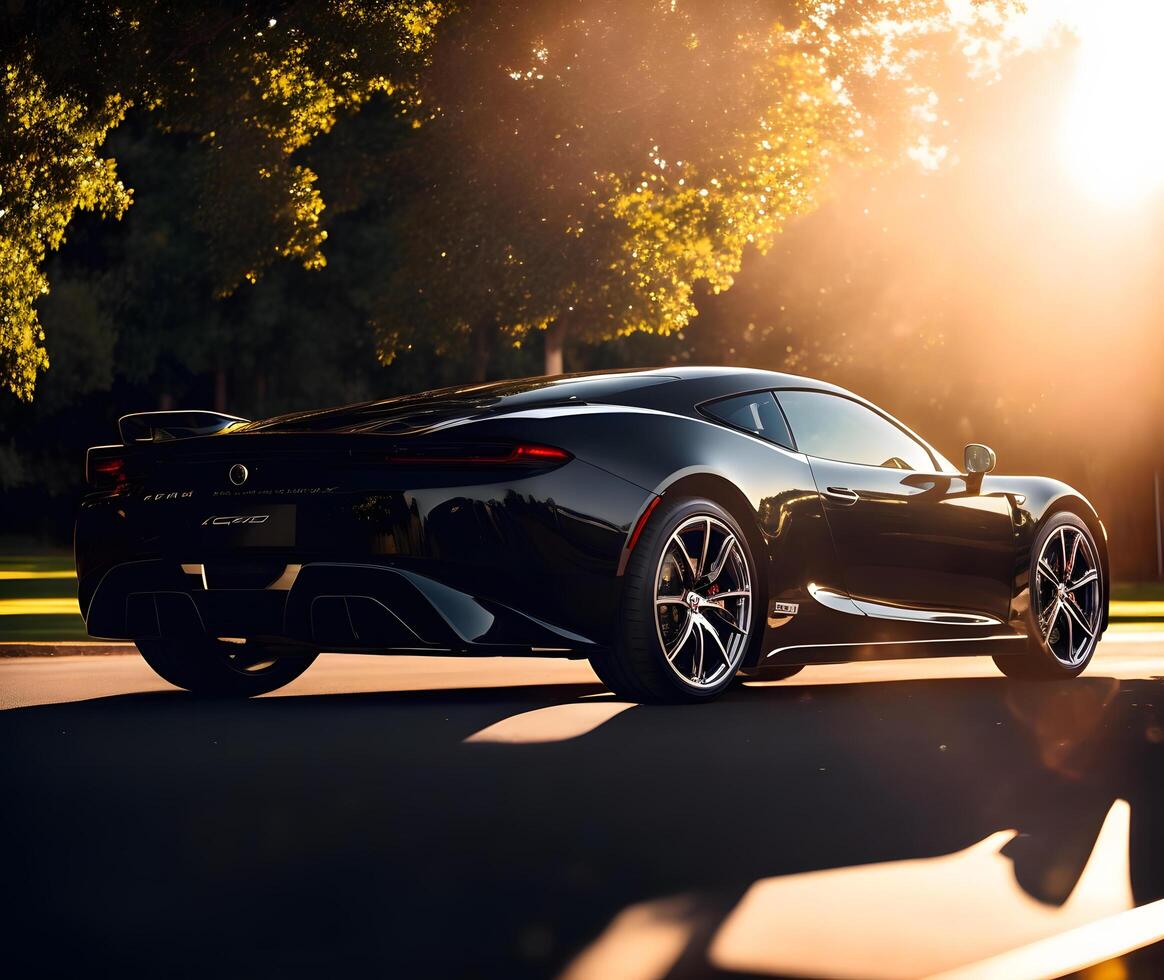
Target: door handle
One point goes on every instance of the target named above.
(842, 495)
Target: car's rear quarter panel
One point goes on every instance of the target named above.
(770, 491)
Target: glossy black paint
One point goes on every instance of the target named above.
(363, 545)
(920, 538)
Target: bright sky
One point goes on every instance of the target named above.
(1111, 139)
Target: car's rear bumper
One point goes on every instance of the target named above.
(481, 564)
(326, 605)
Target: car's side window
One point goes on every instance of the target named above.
(834, 427)
(756, 413)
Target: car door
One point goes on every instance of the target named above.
(917, 540)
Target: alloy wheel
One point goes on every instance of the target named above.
(703, 602)
(1068, 595)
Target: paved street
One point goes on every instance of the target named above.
(423, 816)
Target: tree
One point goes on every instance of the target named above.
(580, 167)
(49, 168)
(586, 165)
(256, 82)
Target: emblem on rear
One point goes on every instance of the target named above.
(238, 474)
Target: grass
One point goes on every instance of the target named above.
(1137, 606)
(1138, 591)
(38, 600)
(36, 564)
(1122, 609)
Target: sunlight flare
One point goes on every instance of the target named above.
(1110, 137)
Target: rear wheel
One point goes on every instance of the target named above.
(224, 668)
(1066, 603)
(689, 614)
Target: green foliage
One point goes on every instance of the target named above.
(50, 167)
(585, 165)
(589, 165)
(255, 82)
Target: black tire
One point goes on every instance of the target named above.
(220, 668)
(1039, 660)
(1022, 667)
(600, 664)
(637, 668)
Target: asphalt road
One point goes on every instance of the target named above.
(430, 817)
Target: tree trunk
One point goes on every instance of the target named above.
(220, 389)
(482, 345)
(555, 341)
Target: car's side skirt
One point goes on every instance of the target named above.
(827, 653)
(907, 614)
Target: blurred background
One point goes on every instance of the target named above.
(978, 248)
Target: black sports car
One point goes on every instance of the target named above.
(677, 527)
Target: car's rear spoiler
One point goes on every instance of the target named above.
(160, 426)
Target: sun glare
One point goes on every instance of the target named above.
(1111, 137)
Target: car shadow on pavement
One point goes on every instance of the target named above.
(293, 835)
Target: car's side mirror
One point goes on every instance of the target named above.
(978, 459)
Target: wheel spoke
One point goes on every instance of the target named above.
(1070, 566)
(1091, 576)
(686, 635)
(670, 600)
(703, 551)
(724, 617)
(697, 668)
(1063, 548)
(710, 630)
(1075, 614)
(725, 552)
(687, 564)
(733, 594)
(1047, 571)
(1049, 622)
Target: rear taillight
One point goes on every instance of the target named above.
(530, 454)
(549, 454)
(104, 472)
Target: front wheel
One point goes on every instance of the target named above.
(224, 668)
(689, 611)
(1065, 617)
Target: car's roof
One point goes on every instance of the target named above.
(677, 388)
